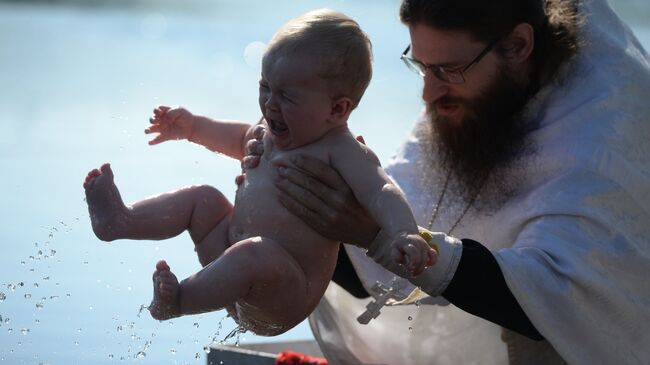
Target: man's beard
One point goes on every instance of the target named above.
(491, 133)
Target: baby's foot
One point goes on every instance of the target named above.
(108, 214)
(165, 303)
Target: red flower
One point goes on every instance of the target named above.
(296, 358)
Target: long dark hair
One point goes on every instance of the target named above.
(555, 23)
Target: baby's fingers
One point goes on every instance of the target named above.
(155, 128)
(158, 139)
(160, 110)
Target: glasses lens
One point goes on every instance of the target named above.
(413, 65)
(450, 76)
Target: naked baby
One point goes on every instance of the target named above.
(261, 263)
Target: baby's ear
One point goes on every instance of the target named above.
(341, 109)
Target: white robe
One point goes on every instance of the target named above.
(573, 243)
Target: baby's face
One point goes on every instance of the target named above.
(294, 100)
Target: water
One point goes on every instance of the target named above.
(78, 85)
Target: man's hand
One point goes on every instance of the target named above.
(316, 193)
(254, 150)
(413, 252)
(171, 123)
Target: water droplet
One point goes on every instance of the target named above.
(79, 330)
(196, 325)
(197, 356)
(11, 287)
(110, 356)
(54, 297)
(39, 305)
(410, 329)
(119, 328)
(206, 349)
(25, 331)
(76, 343)
(410, 318)
(147, 345)
(38, 321)
(27, 296)
(417, 303)
(52, 252)
(140, 354)
(7, 320)
(2, 297)
(21, 284)
(22, 263)
(173, 351)
(35, 285)
(9, 330)
(46, 278)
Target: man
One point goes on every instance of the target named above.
(533, 149)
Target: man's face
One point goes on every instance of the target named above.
(478, 124)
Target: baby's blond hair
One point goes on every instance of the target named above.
(336, 42)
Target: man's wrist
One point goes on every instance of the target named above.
(433, 280)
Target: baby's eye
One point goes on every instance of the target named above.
(264, 84)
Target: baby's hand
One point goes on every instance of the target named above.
(413, 252)
(171, 123)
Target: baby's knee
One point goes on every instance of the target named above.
(210, 196)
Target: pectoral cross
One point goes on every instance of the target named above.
(382, 295)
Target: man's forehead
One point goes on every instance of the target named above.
(435, 46)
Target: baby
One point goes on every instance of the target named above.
(261, 263)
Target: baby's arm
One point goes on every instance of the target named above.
(376, 191)
(223, 136)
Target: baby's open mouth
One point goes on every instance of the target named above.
(277, 127)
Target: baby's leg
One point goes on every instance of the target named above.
(198, 209)
(257, 271)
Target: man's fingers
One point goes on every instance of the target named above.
(312, 218)
(323, 171)
(304, 181)
(250, 162)
(254, 147)
(259, 131)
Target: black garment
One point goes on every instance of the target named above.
(478, 287)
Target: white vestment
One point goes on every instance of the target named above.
(573, 242)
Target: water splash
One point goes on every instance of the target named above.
(235, 332)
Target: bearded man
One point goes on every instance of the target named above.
(532, 161)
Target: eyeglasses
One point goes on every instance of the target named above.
(450, 75)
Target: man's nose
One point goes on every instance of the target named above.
(433, 88)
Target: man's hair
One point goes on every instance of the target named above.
(555, 23)
(336, 42)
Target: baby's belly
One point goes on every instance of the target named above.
(258, 212)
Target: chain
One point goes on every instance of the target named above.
(436, 208)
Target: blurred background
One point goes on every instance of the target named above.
(78, 81)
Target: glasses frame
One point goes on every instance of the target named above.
(445, 74)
